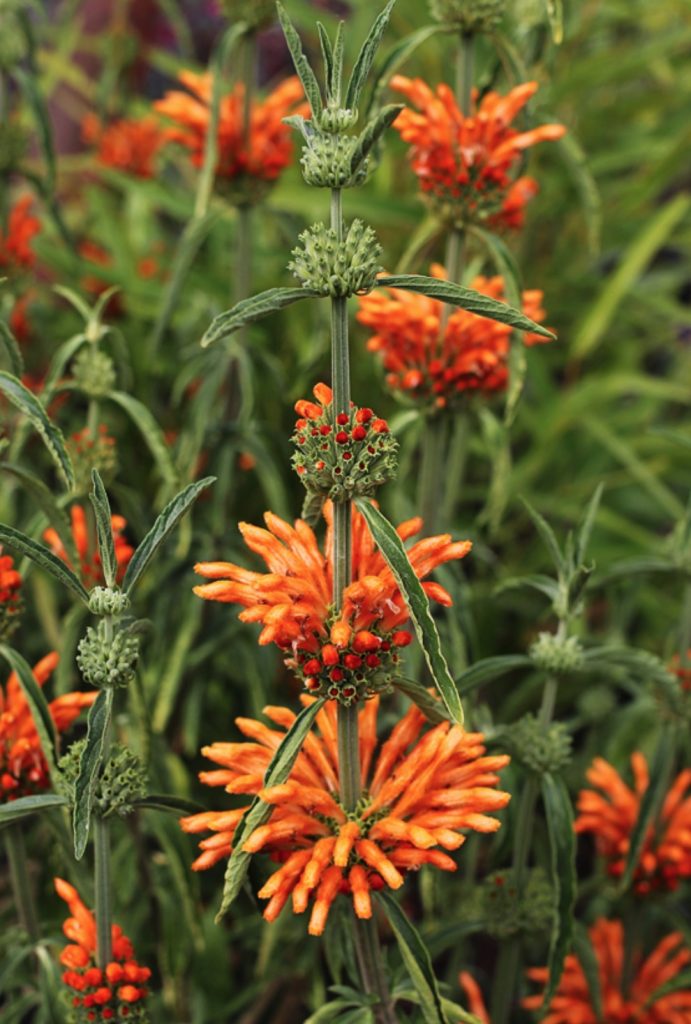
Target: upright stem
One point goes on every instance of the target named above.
(104, 912)
(432, 470)
(21, 888)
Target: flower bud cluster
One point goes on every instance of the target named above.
(540, 748)
(334, 268)
(94, 371)
(88, 453)
(106, 661)
(341, 457)
(121, 781)
(555, 653)
(506, 910)
(335, 119)
(353, 665)
(327, 160)
(108, 601)
(468, 15)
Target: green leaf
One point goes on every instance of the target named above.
(583, 948)
(165, 802)
(655, 232)
(680, 982)
(537, 581)
(337, 70)
(397, 56)
(39, 109)
(48, 505)
(44, 558)
(38, 705)
(562, 841)
(490, 668)
(328, 58)
(14, 353)
(52, 437)
(194, 233)
(150, 431)
(372, 132)
(396, 557)
(586, 525)
(420, 695)
(465, 298)
(555, 16)
(104, 529)
(259, 812)
(576, 163)
(302, 65)
(365, 58)
(548, 536)
(254, 308)
(165, 523)
(660, 770)
(416, 959)
(26, 805)
(98, 724)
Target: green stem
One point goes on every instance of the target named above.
(509, 957)
(92, 419)
(104, 912)
(371, 965)
(430, 484)
(19, 878)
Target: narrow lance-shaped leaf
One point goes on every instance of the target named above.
(363, 64)
(45, 500)
(465, 298)
(337, 70)
(416, 959)
(562, 841)
(651, 802)
(490, 668)
(163, 526)
(302, 65)
(259, 812)
(430, 705)
(371, 134)
(14, 354)
(586, 525)
(548, 536)
(104, 530)
(583, 948)
(150, 431)
(396, 557)
(89, 763)
(328, 57)
(44, 558)
(27, 805)
(41, 114)
(38, 705)
(255, 308)
(51, 436)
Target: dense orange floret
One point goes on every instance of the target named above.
(127, 144)
(437, 359)
(463, 163)
(10, 582)
(267, 151)
(421, 792)
(15, 248)
(111, 993)
(89, 560)
(293, 601)
(611, 815)
(23, 768)
(632, 1003)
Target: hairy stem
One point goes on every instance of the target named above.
(104, 912)
(371, 965)
(19, 879)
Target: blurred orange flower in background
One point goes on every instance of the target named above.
(106, 994)
(463, 162)
(432, 359)
(611, 815)
(128, 144)
(419, 792)
(16, 253)
(635, 1003)
(89, 561)
(23, 768)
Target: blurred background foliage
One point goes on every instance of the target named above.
(607, 239)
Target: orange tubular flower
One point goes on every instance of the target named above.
(268, 150)
(463, 163)
(127, 145)
(638, 1004)
(116, 991)
(10, 596)
(23, 768)
(612, 813)
(347, 657)
(16, 253)
(435, 363)
(89, 561)
(474, 997)
(419, 794)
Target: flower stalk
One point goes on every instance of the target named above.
(103, 907)
(21, 887)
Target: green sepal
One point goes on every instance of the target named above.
(394, 553)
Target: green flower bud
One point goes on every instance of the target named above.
(107, 662)
(556, 653)
(121, 780)
(337, 268)
(468, 15)
(505, 911)
(334, 120)
(88, 453)
(540, 748)
(107, 601)
(327, 161)
(94, 371)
